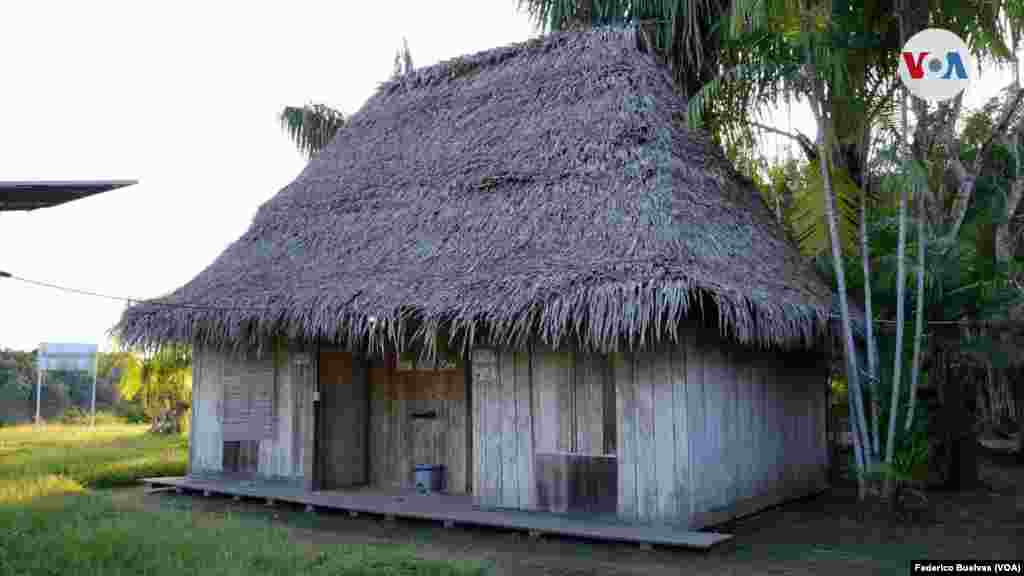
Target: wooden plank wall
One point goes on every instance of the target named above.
(302, 372)
(280, 454)
(533, 403)
(399, 442)
(503, 424)
(710, 431)
(206, 443)
(653, 457)
(277, 451)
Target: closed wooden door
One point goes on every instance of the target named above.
(418, 417)
(343, 421)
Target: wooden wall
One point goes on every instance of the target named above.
(502, 420)
(701, 431)
(535, 404)
(709, 432)
(281, 453)
(206, 444)
(398, 441)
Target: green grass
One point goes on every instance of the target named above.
(109, 455)
(88, 534)
(53, 523)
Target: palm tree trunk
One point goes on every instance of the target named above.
(901, 248)
(915, 374)
(869, 329)
(1004, 243)
(857, 423)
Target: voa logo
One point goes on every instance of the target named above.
(935, 65)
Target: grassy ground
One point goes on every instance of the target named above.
(76, 457)
(63, 510)
(831, 534)
(57, 518)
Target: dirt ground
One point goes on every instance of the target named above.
(829, 534)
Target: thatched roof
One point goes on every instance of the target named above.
(548, 189)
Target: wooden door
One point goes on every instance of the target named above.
(418, 417)
(342, 414)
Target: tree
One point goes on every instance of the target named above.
(734, 58)
(841, 59)
(313, 126)
(684, 34)
(163, 379)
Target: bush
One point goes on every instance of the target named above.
(131, 411)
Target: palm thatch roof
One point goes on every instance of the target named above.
(548, 190)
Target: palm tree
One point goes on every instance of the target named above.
(163, 379)
(313, 126)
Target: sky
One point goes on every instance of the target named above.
(183, 96)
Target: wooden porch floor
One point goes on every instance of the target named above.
(449, 509)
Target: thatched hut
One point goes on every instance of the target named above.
(519, 265)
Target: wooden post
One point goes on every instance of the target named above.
(95, 374)
(39, 394)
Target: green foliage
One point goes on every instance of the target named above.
(162, 380)
(839, 391)
(911, 462)
(807, 218)
(311, 127)
(130, 411)
(75, 384)
(17, 373)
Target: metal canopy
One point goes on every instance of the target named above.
(31, 195)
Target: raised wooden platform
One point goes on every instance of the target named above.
(448, 509)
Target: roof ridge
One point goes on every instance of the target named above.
(469, 64)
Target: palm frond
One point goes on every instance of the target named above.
(809, 223)
(311, 127)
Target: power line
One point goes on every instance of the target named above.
(129, 301)
(195, 306)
